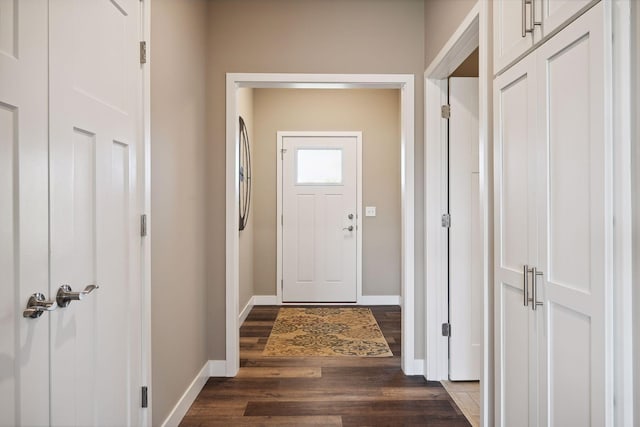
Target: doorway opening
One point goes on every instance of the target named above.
(405, 85)
(450, 296)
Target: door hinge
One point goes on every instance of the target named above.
(445, 111)
(145, 397)
(446, 220)
(143, 52)
(281, 219)
(282, 151)
(281, 285)
(143, 225)
(446, 329)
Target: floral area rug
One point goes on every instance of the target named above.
(320, 331)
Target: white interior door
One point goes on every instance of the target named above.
(69, 125)
(319, 218)
(516, 246)
(95, 238)
(465, 247)
(24, 343)
(575, 224)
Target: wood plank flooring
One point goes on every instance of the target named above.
(321, 391)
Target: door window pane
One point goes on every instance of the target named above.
(319, 166)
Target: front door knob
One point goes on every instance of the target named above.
(349, 228)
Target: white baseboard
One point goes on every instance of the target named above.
(189, 396)
(380, 300)
(365, 300)
(217, 368)
(245, 311)
(416, 367)
(265, 300)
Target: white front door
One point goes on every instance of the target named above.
(465, 246)
(75, 201)
(319, 218)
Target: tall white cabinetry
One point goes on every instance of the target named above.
(553, 231)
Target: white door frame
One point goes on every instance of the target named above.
(471, 34)
(144, 178)
(403, 82)
(280, 255)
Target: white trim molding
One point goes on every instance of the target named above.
(473, 32)
(245, 311)
(217, 368)
(188, 397)
(265, 300)
(403, 82)
(463, 42)
(381, 300)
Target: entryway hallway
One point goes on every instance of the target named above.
(321, 391)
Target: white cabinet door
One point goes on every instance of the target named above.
(319, 207)
(575, 223)
(465, 250)
(24, 342)
(567, 162)
(510, 40)
(94, 94)
(557, 12)
(515, 249)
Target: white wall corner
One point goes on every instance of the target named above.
(380, 300)
(265, 300)
(245, 311)
(188, 397)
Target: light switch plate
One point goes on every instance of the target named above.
(370, 211)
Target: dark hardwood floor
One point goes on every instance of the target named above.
(321, 391)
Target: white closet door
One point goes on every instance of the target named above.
(465, 249)
(574, 225)
(95, 342)
(24, 343)
(515, 236)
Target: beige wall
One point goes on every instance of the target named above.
(178, 275)
(246, 241)
(441, 19)
(374, 112)
(346, 36)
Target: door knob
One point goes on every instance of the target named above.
(65, 294)
(37, 305)
(350, 216)
(349, 228)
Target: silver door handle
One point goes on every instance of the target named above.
(349, 228)
(65, 294)
(37, 305)
(534, 275)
